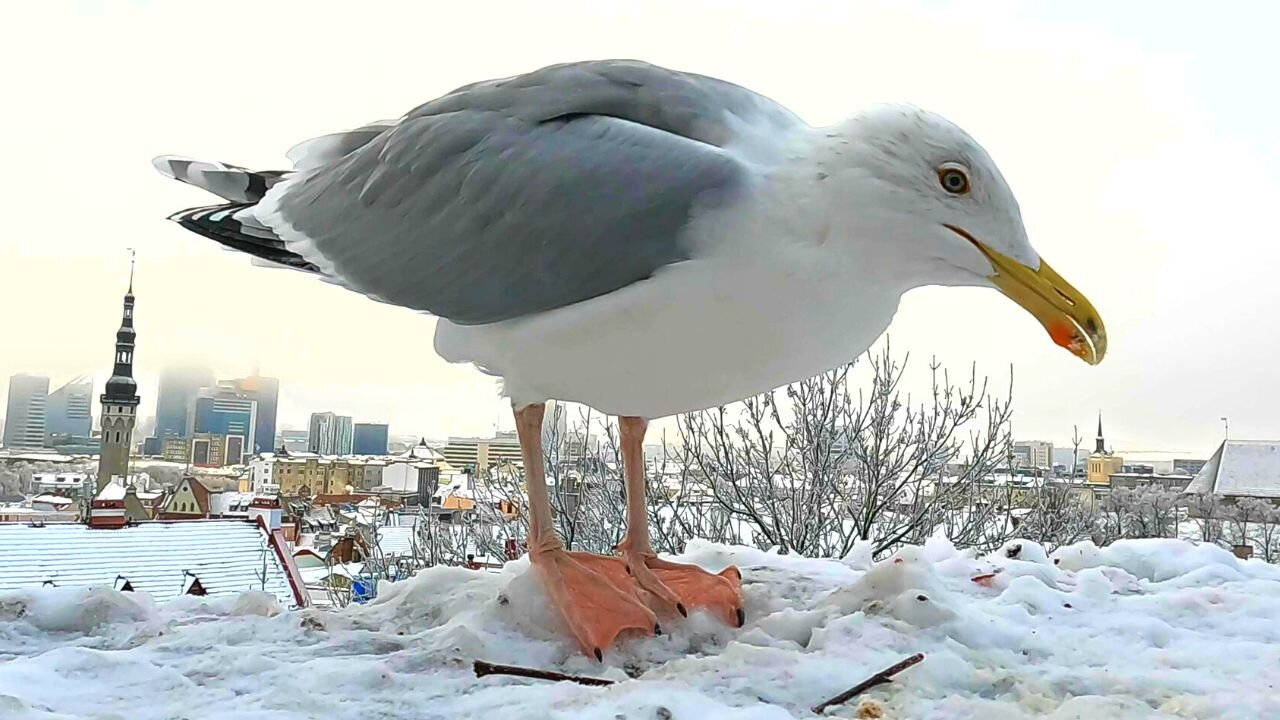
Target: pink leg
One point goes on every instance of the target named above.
(593, 594)
(677, 588)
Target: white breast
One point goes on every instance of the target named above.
(698, 334)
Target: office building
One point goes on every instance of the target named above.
(369, 439)
(69, 410)
(481, 455)
(178, 390)
(293, 440)
(24, 426)
(265, 391)
(224, 417)
(1033, 454)
(330, 434)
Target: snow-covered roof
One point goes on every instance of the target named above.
(111, 491)
(226, 555)
(396, 540)
(52, 500)
(36, 456)
(1241, 468)
(229, 501)
(66, 478)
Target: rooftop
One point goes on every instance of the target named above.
(227, 556)
(1241, 468)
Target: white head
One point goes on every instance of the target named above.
(920, 193)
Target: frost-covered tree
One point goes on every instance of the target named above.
(11, 483)
(1254, 522)
(1147, 511)
(820, 468)
(1056, 515)
(1205, 511)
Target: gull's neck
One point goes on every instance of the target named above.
(806, 206)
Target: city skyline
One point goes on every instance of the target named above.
(1107, 111)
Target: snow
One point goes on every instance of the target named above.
(1140, 629)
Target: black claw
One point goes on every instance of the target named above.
(742, 618)
(599, 655)
(657, 629)
(681, 610)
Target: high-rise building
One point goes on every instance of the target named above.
(482, 454)
(69, 410)
(1033, 454)
(224, 415)
(178, 390)
(330, 434)
(555, 426)
(293, 440)
(266, 392)
(119, 401)
(24, 427)
(369, 439)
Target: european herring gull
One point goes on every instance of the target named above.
(646, 242)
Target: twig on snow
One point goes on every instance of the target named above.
(879, 678)
(483, 668)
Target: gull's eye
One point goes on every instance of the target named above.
(953, 179)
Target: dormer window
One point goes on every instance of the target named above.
(191, 585)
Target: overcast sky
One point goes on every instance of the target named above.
(1139, 138)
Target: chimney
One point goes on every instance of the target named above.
(267, 508)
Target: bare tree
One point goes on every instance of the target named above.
(837, 469)
(585, 487)
(1075, 449)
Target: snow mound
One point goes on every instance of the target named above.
(1139, 629)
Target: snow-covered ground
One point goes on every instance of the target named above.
(1142, 629)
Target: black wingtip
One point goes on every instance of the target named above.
(680, 608)
(599, 655)
(742, 617)
(657, 629)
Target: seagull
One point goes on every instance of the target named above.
(646, 242)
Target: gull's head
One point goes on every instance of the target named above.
(929, 196)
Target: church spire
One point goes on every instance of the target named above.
(119, 400)
(1101, 446)
(121, 388)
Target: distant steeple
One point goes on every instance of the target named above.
(119, 400)
(122, 388)
(1101, 447)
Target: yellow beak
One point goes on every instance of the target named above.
(1065, 312)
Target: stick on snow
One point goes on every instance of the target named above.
(483, 668)
(879, 678)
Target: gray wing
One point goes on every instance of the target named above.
(517, 196)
